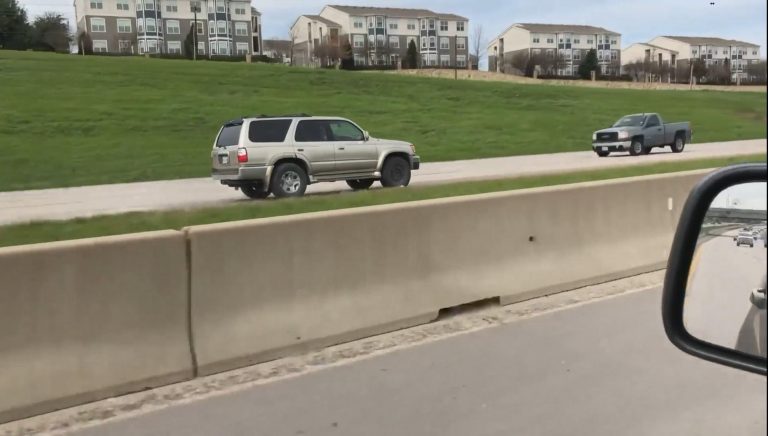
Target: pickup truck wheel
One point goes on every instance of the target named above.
(396, 172)
(679, 145)
(603, 153)
(254, 192)
(637, 148)
(360, 184)
(289, 180)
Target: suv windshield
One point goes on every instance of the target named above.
(229, 135)
(630, 121)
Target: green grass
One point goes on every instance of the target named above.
(69, 120)
(146, 221)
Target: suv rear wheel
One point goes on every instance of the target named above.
(360, 184)
(679, 145)
(289, 180)
(396, 172)
(255, 192)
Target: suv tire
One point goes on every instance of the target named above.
(255, 192)
(637, 148)
(289, 180)
(360, 184)
(603, 153)
(679, 145)
(396, 172)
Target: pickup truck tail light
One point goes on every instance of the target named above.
(242, 155)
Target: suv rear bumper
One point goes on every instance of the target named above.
(254, 173)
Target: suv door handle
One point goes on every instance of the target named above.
(341, 148)
(300, 149)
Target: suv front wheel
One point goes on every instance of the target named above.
(396, 172)
(288, 180)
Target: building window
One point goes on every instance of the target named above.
(460, 26)
(394, 42)
(411, 26)
(195, 6)
(358, 23)
(200, 26)
(432, 27)
(550, 40)
(201, 48)
(124, 25)
(221, 27)
(614, 55)
(393, 26)
(241, 48)
(754, 52)
(423, 24)
(589, 41)
(140, 24)
(241, 29)
(576, 41)
(432, 43)
(97, 4)
(221, 8)
(139, 8)
(461, 61)
(172, 27)
(124, 46)
(98, 25)
(424, 42)
(171, 6)
(444, 44)
(358, 41)
(223, 48)
(461, 43)
(100, 46)
(443, 26)
(379, 22)
(151, 46)
(211, 27)
(535, 40)
(577, 55)
(174, 47)
(150, 6)
(694, 52)
(149, 24)
(445, 61)
(380, 40)
(240, 11)
(613, 42)
(122, 5)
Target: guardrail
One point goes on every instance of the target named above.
(89, 319)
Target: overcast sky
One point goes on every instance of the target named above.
(637, 21)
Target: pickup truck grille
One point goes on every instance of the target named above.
(607, 137)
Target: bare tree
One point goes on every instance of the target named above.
(477, 44)
(292, 37)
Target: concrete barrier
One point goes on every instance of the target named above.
(266, 288)
(89, 319)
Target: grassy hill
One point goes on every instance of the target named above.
(67, 120)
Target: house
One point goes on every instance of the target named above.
(655, 62)
(278, 49)
(221, 27)
(712, 51)
(381, 36)
(554, 48)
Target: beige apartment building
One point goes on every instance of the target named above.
(222, 27)
(380, 36)
(567, 43)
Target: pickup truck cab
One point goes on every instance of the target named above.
(282, 155)
(639, 134)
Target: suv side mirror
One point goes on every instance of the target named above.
(366, 136)
(710, 306)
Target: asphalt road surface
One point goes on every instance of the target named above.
(717, 301)
(601, 369)
(67, 203)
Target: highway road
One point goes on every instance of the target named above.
(67, 203)
(600, 368)
(717, 300)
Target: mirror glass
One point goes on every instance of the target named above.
(725, 296)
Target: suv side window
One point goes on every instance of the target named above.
(313, 131)
(653, 121)
(229, 135)
(345, 131)
(268, 130)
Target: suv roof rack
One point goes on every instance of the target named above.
(301, 115)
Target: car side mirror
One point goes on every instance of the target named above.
(710, 305)
(366, 136)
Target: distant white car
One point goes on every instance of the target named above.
(745, 239)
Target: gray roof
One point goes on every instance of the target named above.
(395, 12)
(323, 20)
(655, 46)
(564, 28)
(706, 40)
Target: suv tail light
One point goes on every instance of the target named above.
(242, 155)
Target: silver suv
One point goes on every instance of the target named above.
(282, 155)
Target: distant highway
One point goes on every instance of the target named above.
(67, 203)
(717, 300)
(600, 369)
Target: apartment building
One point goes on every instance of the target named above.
(562, 46)
(380, 36)
(222, 27)
(713, 51)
